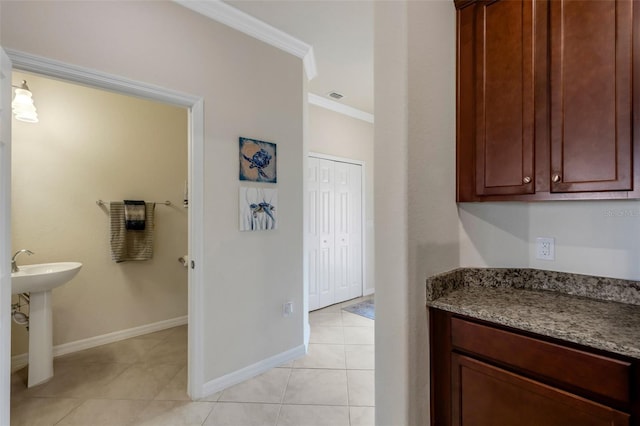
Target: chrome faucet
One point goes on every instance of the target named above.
(14, 266)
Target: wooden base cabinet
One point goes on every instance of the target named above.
(483, 374)
(485, 395)
(547, 107)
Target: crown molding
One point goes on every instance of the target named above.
(309, 61)
(317, 100)
(243, 22)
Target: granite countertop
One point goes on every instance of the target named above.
(597, 312)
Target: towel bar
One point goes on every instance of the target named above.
(166, 203)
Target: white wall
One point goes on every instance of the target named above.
(342, 136)
(92, 144)
(250, 89)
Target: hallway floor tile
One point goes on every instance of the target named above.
(143, 381)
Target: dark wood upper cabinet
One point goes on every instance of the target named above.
(546, 100)
(591, 93)
(504, 44)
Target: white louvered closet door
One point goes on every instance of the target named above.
(334, 234)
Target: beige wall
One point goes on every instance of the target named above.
(391, 201)
(336, 134)
(592, 237)
(90, 145)
(433, 223)
(249, 89)
(417, 227)
(494, 234)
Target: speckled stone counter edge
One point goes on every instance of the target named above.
(599, 288)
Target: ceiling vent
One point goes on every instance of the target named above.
(335, 95)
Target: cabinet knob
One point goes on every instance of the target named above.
(555, 178)
(527, 179)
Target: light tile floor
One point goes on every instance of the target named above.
(143, 381)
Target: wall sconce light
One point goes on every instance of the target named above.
(22, 105)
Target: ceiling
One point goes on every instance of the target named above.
(341, 33)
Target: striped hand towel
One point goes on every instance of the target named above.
(130, 244)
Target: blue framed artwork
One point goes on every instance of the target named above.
(258, 161)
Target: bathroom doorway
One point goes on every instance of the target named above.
(91, 145)
(192, 108)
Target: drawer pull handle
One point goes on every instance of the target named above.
(555, 178)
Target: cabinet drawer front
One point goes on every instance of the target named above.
(487, 395)
(597, 374)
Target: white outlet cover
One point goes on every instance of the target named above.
(287, 309)
(545, 248)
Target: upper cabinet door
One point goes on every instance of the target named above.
(591, 95)
(504, 97)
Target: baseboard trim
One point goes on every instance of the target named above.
(239, 376)
(369, 292)
(19, 361)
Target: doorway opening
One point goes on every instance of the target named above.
(72, 74)
(114, 147)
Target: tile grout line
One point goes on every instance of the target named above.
(213, 408)
(284, 392)
(70, 411)
(346, 372)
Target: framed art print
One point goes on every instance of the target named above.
(258, 209)
(258, 161)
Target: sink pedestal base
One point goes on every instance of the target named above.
(40, 338)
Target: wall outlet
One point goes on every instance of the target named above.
(545, 248)
(287, 309)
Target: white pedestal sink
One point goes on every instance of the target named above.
(38, 281)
